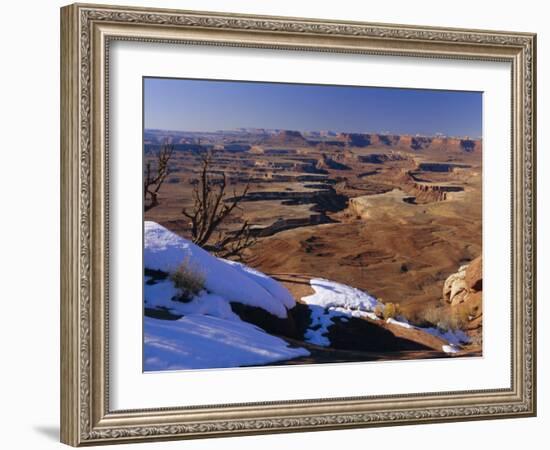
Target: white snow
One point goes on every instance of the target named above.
(202, 342)
(331, 300)
(321, 319)
(166, 251)
(159, 296)
(210, 334)
(332, 294)
(275, 288)
(450, 349)
(403, 324)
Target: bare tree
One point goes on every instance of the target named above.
(233, 245)
(155, 175)
(211, 207)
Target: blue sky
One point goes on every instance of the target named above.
(204, 105)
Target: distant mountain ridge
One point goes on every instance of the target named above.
(293, 138)
(286, 137)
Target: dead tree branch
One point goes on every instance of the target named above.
(211, 208)
(155, 174)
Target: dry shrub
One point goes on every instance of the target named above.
(189, 280)
(387, 310)
(444, 318)
(461, 316)
(391, 310)
(431, 315)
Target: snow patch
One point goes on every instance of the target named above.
(210, 334)
(166, 251)
(321, 320)
(204, 342)
(160, 296)
(450, 349)
(275, 288)
(331, 300)
(332, 294)
(400, 323)
(334, 300)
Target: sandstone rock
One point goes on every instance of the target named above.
(459, 298)
(463, 289)
(459, 286)
(475, 324)
(453, 285)
(466, 280)
(474, 275)
(473, 301)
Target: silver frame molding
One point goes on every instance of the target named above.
(86, 33)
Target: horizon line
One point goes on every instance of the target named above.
(384, 133)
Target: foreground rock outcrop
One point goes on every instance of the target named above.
(463, 290)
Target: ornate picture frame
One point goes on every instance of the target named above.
(87, 31)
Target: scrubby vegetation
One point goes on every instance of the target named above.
(387, 310)
(188, 280)
(442, 317)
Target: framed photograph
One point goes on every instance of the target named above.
(277, 224)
